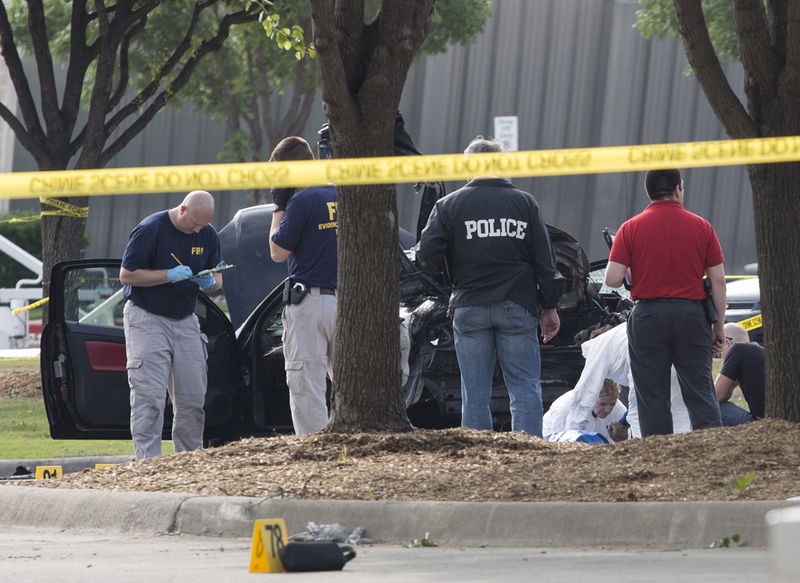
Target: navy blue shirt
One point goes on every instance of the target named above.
(308, 230)
(151, 245)
(745, 365)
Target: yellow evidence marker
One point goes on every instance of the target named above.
(47, 472)
(269, 536)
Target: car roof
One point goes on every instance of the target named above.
(743, 288)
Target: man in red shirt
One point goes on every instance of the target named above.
(668, 250)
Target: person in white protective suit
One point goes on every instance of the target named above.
(603, 418)
(607, 358)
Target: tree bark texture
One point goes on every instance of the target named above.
(769, 42)
(777, 214)
(363, 68)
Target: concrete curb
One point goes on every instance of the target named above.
(662, 525)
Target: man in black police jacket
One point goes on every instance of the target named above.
(504, 276)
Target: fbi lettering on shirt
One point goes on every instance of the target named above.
(197, 250)
(496, 228)
(332, 222)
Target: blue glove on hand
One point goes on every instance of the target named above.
(179, 272)
(206, 281)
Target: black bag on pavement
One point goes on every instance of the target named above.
(315, 556)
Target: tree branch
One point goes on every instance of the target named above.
(260, 76)
(44, 68)
(210, 45)
(253, 121)
(297, 90)
(146, 9)
(145, 94)
(124, 61)
(707, 68)
(755, 50)
(25, 101)
(298, 123)
(108, 40)
(27, 141)
(81, 56)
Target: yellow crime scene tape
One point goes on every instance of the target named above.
(751, 323)
(384, 170)
(441, 167)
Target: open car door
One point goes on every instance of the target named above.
(83, 361)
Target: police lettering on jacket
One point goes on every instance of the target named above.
(489, 228)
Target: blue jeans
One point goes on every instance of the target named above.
(507, 332)
(733, 415)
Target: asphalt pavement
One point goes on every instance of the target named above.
(46, 554)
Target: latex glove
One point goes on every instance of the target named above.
(281, 196)
(206, 281)
(179, 272)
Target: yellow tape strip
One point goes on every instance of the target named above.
(21, 219)
(751, 323)
(65, 209)
(35, 304)
(398, 169)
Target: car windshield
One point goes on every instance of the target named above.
(598, 277)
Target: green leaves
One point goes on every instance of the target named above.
(725, 542)
(656, 18)
(741, 483)
(287, 38)
(456, 22)
(425, 541)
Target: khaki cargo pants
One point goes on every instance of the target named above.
(165, 357)
(308, 335)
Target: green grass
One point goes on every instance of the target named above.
(20, 364)
(25, 434)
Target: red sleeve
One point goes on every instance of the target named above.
(619, 248)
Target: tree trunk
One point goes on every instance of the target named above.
(777, 219)
(62, 238)
(367, 396)
(363, 69)
(772, 72)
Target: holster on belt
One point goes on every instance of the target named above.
(294, 292)
(708, 303)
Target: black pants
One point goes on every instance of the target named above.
(663, 333)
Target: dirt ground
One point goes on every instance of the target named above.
(466, 465)
(20, 384)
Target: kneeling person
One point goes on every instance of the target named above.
(606, 419)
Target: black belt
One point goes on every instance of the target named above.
(681, 300)
(326, 291)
